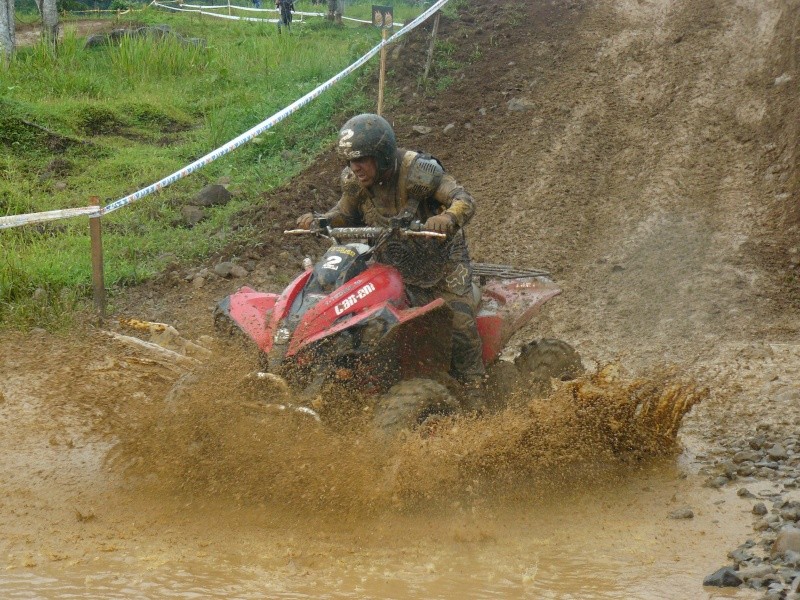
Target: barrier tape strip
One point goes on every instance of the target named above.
(51, 215)
(16, 220)
(202, 8)
(249, 8)
(210, 14)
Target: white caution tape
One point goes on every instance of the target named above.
(211, 14)
(16, 220)
(50, 215)
(201, 8)
(225, 7)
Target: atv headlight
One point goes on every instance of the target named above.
(281, 336)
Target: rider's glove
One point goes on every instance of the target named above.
(443, 223)
(305, 221)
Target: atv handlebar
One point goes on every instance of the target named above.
(363, 232)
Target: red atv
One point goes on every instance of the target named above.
(348, 321)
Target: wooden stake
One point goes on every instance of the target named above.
(433, 44)
(98, 280)
(229, 8)
(382, 79)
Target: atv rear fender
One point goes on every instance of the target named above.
(507, 306)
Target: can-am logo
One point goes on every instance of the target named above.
(353, 299)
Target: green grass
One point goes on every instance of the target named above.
(107, 121)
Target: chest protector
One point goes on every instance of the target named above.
(422, 262)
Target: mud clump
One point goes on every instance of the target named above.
(216, 442)
(586, 430)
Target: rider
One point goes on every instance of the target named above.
(381, 181)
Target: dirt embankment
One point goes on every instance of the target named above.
(644, 151)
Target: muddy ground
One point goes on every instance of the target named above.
(645, 152)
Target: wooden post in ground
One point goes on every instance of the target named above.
(98, 279)
(382, 78)
(229, 8)
(433, 45)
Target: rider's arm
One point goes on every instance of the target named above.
(455, 200)
(347, 212)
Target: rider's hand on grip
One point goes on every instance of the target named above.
(305, 221)
(443, 223)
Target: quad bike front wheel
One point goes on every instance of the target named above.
(408, 404)
(546, 359)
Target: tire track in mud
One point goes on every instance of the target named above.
(641, 194)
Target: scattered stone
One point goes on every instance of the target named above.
(449, 127)
(745, 493)
(759, 509)
(755, 572)
(790, 514)
(777, 452)
(781, 79)
(746, 456)
(792, 559)
(229, 269)
(192, 215)
(746, 469)
(740, 555)
(682, 513)
(482, 112)
(212, 195)
(717, 482)
(422, 129)
(788, 540)
(724, 577)
(520, 104)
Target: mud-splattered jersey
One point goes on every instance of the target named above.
(421, 186)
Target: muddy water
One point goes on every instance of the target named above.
(615, 542)
(561, 497)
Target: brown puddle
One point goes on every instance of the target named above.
(563, 497)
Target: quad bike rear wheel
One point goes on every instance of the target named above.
(408, 404)
(546, 359)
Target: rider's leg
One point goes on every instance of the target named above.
(467, 358)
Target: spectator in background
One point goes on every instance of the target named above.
(257, 3)
(335, 11)
(286, 7)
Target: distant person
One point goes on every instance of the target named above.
(286, 8)
(257, 3)
(335, 11)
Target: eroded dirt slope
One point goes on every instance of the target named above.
(645, 151)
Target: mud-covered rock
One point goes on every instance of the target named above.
(724, 577)
(788, 540)
(212, 195)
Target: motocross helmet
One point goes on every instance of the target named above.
(368, 135)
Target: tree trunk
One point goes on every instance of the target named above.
(6, 29)
(49, 12)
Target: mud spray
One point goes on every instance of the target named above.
(217, 440)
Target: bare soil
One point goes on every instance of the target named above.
(645, 151)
